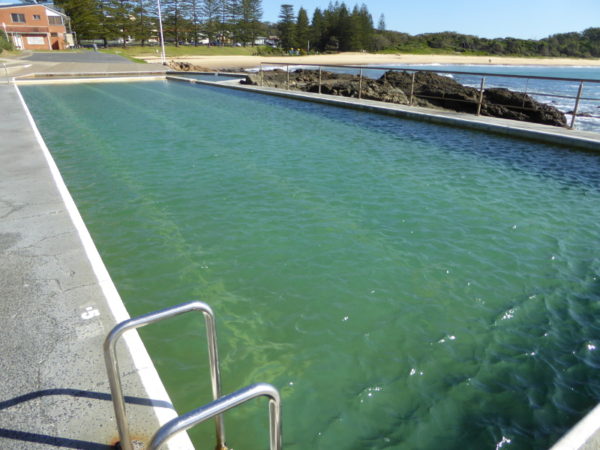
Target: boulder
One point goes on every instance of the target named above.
(429, 89)
(523, 105)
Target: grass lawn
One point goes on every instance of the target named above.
(172, 51)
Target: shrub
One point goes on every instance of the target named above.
(265, 50)
(5, 44)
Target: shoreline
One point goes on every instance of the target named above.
(223, 62)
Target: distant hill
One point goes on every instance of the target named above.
(585, 44)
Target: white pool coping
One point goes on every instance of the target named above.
(141, 360)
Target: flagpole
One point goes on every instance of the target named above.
(162, 39)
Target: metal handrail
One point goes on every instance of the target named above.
(578, 98)
(221, 405)
(112, 366)
(413, 69)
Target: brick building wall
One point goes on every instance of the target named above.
(34, 27)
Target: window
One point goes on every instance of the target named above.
(18, 18)
(35, 40)
(53, 34)
(55, 20)
(36, 17)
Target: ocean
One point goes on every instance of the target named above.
(539, 88)
(563, 92)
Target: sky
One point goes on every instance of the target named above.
(525, 19)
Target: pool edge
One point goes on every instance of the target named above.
(136, 351)
(505, 127)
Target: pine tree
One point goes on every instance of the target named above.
(364, 24)
(210, 14)
(145, 13)
(194, 14)
(302, 36)
(318, 30)
(248, 25)
(344, 28)
(381, 24)
(174, 20)
(116, 21)
(222, 28)
(85, 17)
(286, 26)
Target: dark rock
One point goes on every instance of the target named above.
(436, 89)
(522, 105)
(428, 89)
(182, 66)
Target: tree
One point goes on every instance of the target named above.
(222, 28)
(85, 17)
(145, 13)
(115, 20)
(362, 26)
(174, 20)
(5, 43)
(248, 25)
(286, 26)
(210, 12)
(302, 36)
(381, 23)
(345, 28)
(194, 14)
(318, 30)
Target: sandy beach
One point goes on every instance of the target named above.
(232, 62)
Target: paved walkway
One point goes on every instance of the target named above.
(73, 63)
(57, 304)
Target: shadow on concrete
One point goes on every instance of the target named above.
(67, 442)
(52, 440)
(84, 394)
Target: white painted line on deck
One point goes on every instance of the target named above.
(141, 360)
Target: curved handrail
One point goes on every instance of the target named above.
(112, 365)
(221, 405)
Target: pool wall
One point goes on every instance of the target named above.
(526, 130)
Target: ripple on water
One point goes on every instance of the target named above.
(403, 284)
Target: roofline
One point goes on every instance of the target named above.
(37, 4)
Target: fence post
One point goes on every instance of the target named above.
(579, 92)
(288, 76)
(360, 84)
(262, 76)
(319, 79)
(412, 89)
(526, 86)
(480, 96)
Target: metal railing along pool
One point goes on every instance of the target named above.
(480, 80)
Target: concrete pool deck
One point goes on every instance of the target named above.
(72, 64)
(58, 303)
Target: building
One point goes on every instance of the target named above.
(35, 27)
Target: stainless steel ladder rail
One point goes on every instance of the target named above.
(221, 405)
(112, 366)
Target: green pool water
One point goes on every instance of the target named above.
(404, 285)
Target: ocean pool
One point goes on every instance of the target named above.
(404, 285)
